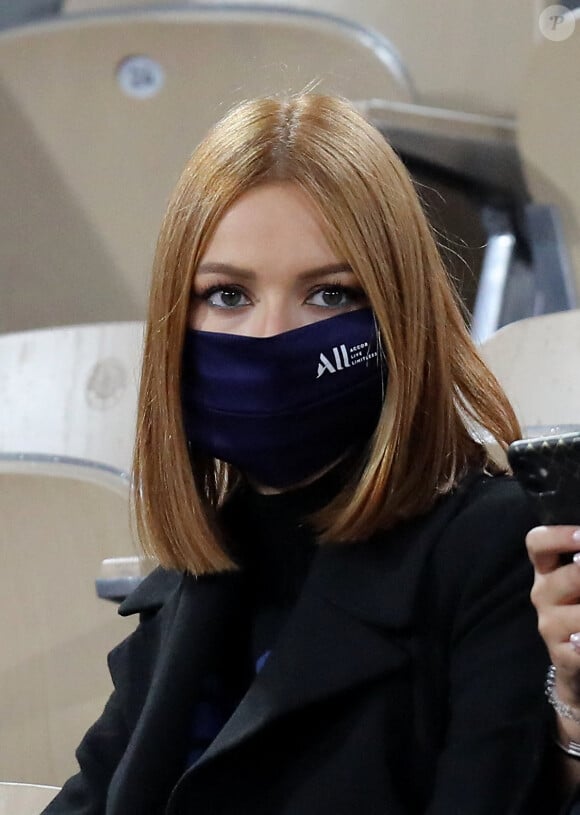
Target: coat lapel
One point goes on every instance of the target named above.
(350, 626)
(322, 651)
(193, 623)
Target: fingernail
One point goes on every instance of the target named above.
(575, 642)
(576, 535)
(576, 558)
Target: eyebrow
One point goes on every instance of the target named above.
(249, 274)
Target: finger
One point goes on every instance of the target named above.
(560, 626)
(560, 587)
(545, 544)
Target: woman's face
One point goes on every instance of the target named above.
(269, 268)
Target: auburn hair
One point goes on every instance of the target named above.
(440, 396)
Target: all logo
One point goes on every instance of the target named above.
(341, 358)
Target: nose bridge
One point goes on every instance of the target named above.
(273, 315)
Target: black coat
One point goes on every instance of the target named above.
(408, 679)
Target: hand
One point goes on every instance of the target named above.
(556, 596)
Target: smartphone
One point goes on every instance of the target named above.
(548, 469)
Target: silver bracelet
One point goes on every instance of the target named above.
(561, 708)
(571, 748)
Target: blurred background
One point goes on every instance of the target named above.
(101, 103)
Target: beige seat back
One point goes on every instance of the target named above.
(71, 391)
(549, 131)
(99, 115)
(59, 520)
(24, 799)
(537, 361)
(469, 56)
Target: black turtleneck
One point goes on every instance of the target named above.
(274, 544)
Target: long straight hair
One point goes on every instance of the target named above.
(439, 395)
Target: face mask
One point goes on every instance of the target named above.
(283, 408)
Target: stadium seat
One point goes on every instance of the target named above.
(100, 113)
(71, 391)
(468, 56)
(537, 361)
(60, 519)
(24, 799)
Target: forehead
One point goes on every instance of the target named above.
(272, 224)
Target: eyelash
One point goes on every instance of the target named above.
(356, 294)
(215, 288)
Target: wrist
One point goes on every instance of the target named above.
(569, 713)
(567, 723)
(568, 746)
(565, 731)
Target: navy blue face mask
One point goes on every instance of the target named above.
(283, 408)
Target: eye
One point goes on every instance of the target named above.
(226, 297)
(335, 296)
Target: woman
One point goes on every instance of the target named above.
(341, 622)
